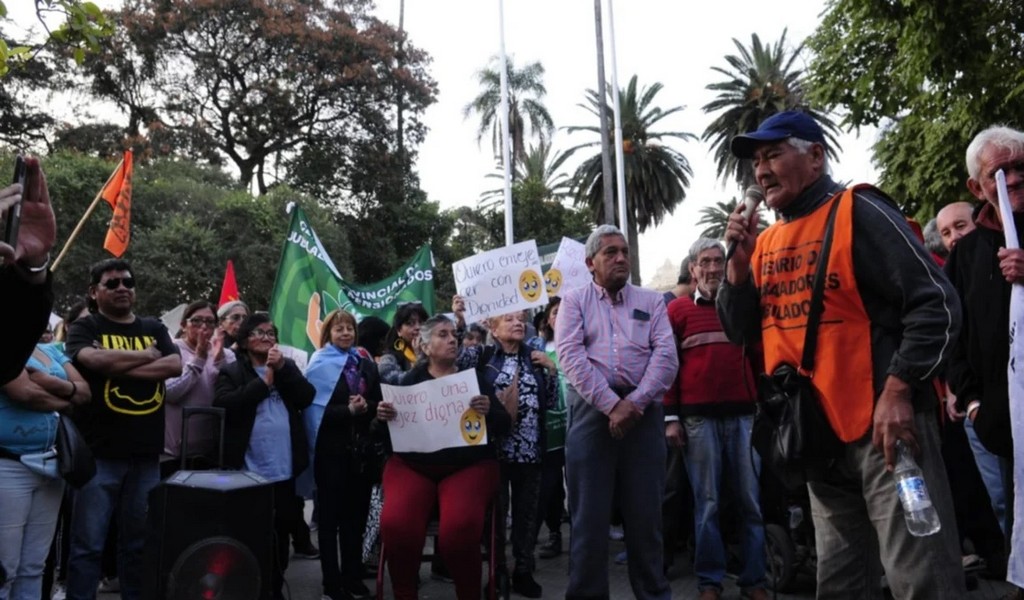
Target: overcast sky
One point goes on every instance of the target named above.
(674, 42)
(669, 41)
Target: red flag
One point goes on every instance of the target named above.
(229, 289)
(118, 194)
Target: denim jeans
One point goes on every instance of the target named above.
(29, 505)
(717, 447)
(122, 485)
(994, 471)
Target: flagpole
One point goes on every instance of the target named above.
(505, 142)
(88, 213)
(620, 169)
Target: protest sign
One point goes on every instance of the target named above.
(569, 269)
(500, 281)
(435, 414)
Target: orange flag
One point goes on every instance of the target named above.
(229, 289)
(118, 194)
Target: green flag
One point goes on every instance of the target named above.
(308, 286)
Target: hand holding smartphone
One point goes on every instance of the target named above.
(12, 219)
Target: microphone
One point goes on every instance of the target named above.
(751, 198)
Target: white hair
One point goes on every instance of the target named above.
(702, 244)
(804, 146)
(593, 245)
(999, 136)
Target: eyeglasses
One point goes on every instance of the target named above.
(115, 282)
(200, 321)
(234, 317)
(707, 262)
(263, 334)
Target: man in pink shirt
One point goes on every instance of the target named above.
(616, 347)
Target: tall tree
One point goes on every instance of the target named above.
(526, 109)
(83, 27)
(930, 75)
(716, 218)
(264, 79)
(656, 175)
(541, 170)
(761, 80)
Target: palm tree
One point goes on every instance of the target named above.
(540, 170)
(716, 218)
(760, 82)
(526, 110)
(656, 175)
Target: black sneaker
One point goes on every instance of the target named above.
(308, 552)
(552, 548)
(525, 585)
(357, 589)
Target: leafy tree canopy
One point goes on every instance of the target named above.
(930, 75)
(83, 27)
(187, 221)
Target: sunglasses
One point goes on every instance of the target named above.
(199, 321)
(115, 282)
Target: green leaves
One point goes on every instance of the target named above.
(931, 75)
(83, 28)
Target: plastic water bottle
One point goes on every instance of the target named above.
(918, 510)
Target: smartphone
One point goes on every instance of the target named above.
(13, 217)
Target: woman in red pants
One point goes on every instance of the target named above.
(461, 482)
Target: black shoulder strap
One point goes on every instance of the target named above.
(818, 293)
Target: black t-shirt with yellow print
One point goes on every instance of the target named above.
(126, 415)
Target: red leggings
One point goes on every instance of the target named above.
(410, 493)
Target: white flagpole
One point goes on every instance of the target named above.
(1015, 373)
(505, 141)
(620, 169)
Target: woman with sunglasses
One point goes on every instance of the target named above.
(202, 355)
(231, 315)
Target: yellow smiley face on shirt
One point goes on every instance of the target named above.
(472, 426)
(529, 285)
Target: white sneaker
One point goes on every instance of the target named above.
(59, 593)
(109, 585)
(615, 533)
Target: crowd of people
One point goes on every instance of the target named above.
(614, 402)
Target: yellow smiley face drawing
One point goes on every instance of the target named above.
(529, 285)
(472, 426)
(553, 281)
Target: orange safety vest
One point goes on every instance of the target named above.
(783, 266)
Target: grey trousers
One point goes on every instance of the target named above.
(860, 529)
(632, 471)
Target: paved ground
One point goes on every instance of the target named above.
(303, 577)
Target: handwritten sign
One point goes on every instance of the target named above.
(435, 414)
(569, 269)
(500, 281)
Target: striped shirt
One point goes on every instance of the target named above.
(623, 342)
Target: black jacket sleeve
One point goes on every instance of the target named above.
(28, 309)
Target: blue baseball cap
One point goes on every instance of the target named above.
(779, 126)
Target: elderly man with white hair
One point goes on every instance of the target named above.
(616, 348)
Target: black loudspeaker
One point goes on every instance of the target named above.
(211, 537)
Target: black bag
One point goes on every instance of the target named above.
(791, 432)
(74, 458)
